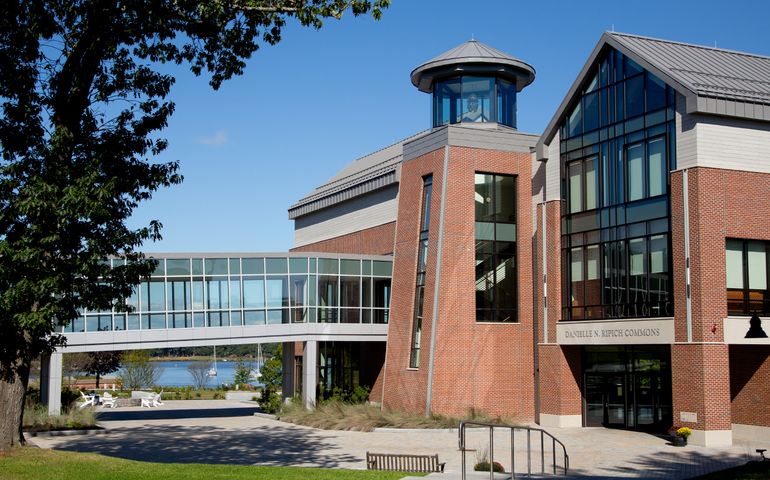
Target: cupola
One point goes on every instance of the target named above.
(473, 83)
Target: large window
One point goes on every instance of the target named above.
(617, 149)
(422, 260)
(474, 99)
(747, 269)
(495, 232)
(222, 292)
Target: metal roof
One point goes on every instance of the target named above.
(368, 173)
(712, 80)
(469, 58)
(708, 71)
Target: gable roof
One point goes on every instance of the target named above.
(712, 80)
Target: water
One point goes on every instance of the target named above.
(175, 374)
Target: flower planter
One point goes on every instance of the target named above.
(678, 441)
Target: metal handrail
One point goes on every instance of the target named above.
(513, 429)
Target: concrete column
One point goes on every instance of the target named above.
(50, 382)
(287, 370)
(309, 374)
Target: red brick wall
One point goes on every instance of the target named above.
(405, 388)
(486, 367)
(559, 366)
(749, 382)
(371, 241)
(723, 204)
(560, 380)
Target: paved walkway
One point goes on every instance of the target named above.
(227, 432)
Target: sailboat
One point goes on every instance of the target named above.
(255, 373)
(213, 370)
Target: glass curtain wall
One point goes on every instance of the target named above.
(223, 292)
(617, 149)
(422, 260)
(474, 99)
(495, 232)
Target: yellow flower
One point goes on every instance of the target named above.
(684, 432)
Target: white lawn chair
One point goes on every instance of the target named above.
(158, 401)
(88, 400)
(109, 401)
(148, 400)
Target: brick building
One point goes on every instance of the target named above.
(612, 271)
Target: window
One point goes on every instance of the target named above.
(495, 215)
(646, 169)
(619, 279)
(422, 260)
(474, 99)
(583, 185)
(747, 277)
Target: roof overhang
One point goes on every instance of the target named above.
(518, 72)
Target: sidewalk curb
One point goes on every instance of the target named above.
(67, 433)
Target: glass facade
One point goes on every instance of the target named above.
(495, 239)
(474, 99)
(422, 260)
(747, 271)
(617, 149)
(235, 291)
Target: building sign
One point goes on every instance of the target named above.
(747, 331)
(616, 332)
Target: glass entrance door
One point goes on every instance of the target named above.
(605, 400)
(633, 391)
(616, 401)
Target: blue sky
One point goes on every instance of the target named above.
(320, 99)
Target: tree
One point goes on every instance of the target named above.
(139, 371)
(73, 364)
(199, 371)
(83, 102)
(242, 373)
(102, 363)
(272, 378)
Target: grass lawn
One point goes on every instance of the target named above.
(36, 463)
(750, 471)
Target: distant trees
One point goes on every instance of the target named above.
(139, 371)
(73, 364)
(102, 363)
(199, 371)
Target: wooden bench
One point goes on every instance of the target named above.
(403, 463)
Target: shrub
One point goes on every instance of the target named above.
(36, 418)
(482, 461)
(484, 467)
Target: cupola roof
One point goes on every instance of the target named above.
(473, 58)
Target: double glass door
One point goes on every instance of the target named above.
(639, 401)
(627, 387)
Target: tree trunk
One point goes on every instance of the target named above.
(97, 380)
(12, 393)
